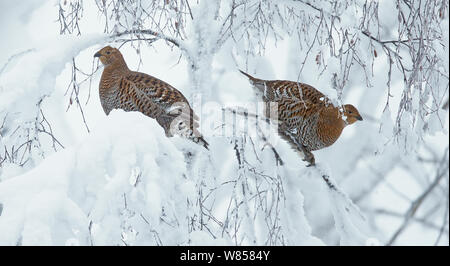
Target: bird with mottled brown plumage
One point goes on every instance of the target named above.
(306, 118)
(121, 88)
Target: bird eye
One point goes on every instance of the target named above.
(108, 52)
(350, 112)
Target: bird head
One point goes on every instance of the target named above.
(351, 114)
(109, 55)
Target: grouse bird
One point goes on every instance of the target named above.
(308, 120)
(121, 88)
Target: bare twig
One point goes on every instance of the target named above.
(442, 171)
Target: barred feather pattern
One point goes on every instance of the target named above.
(308, 120)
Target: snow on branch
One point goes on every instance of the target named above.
(123, 188)
(24, 122)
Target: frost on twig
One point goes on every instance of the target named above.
(74, 88)
(442, 171)
(27, 133)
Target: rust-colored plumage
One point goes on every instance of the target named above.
(121, 88)
(307, 118)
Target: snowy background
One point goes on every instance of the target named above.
(70, 175)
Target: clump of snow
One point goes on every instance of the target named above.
(25, 81)
(88, 186)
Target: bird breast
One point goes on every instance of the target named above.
(316, 130)
(329, 126)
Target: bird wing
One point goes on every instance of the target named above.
(155, 89)
(158, 99)
(298, 121)
(301, 91)
(293, 113)
(274, 90)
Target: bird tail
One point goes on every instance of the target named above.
(187, 128)
(258, 83)
(200, 141)
(299, 148)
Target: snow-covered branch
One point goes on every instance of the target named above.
(71, 175)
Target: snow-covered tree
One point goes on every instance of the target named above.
(71, 175)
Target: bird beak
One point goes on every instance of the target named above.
(359, 118)
(97, 54)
